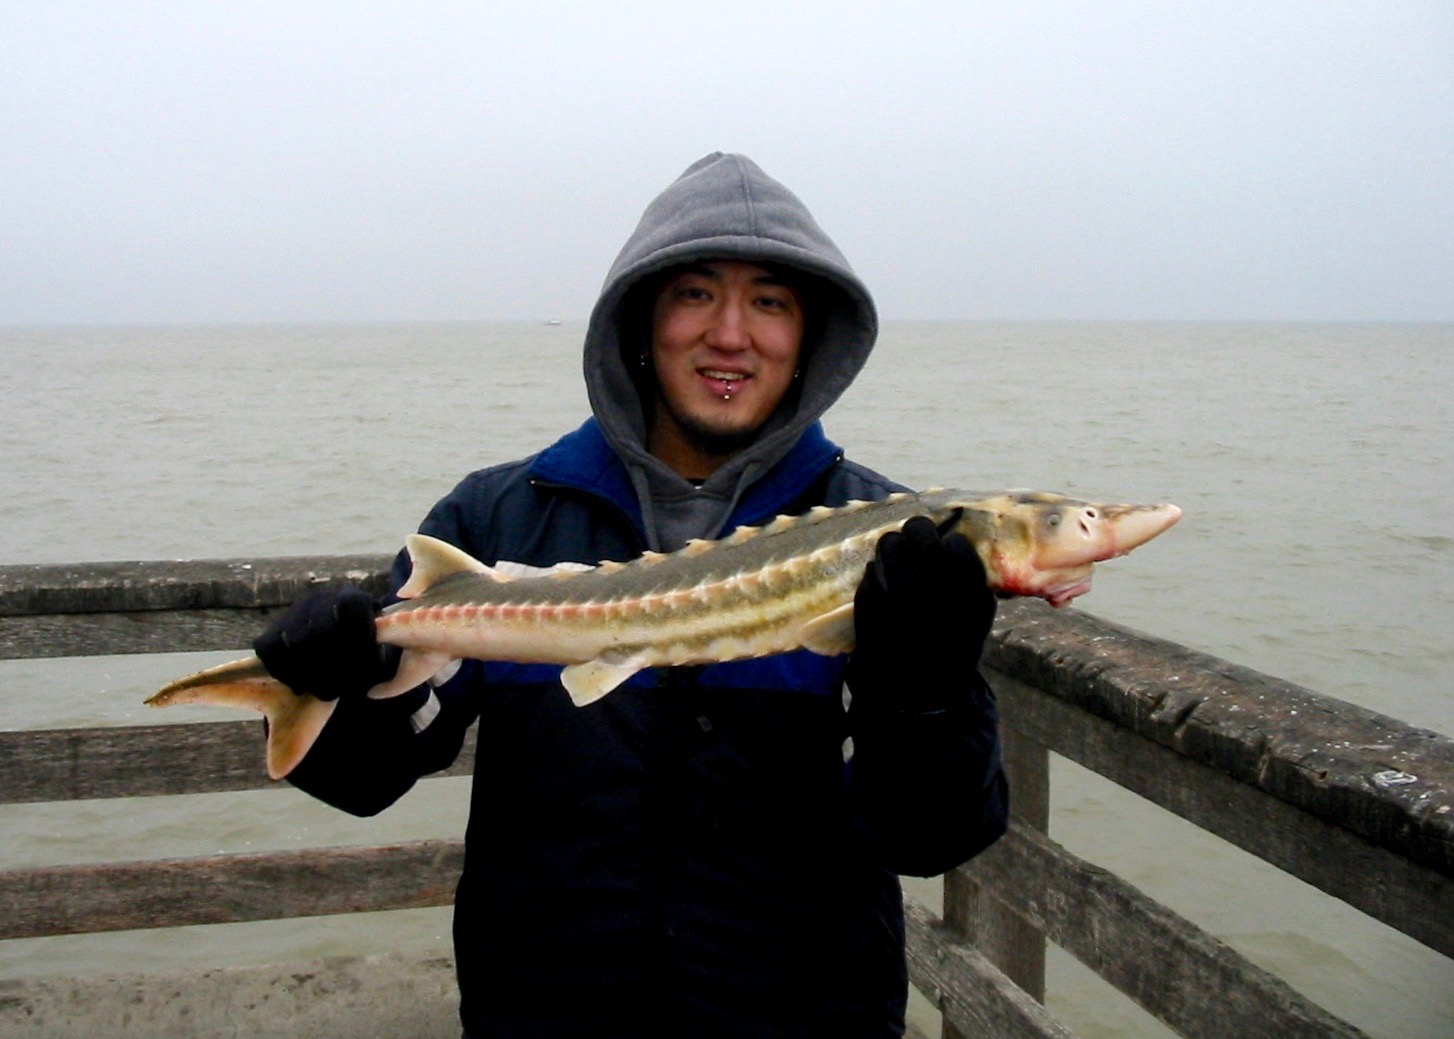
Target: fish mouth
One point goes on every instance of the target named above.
(1062, 594)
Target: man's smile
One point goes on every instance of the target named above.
(722, 382)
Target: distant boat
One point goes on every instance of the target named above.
(552, 321)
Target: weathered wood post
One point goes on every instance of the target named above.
(1007, 939)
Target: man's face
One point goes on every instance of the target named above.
(726, 336)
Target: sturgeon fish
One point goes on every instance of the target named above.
(761, 590)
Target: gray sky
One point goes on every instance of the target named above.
(327, 160)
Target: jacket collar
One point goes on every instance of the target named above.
(583, 460)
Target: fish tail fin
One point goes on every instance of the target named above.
(435, 560)
(294, 721)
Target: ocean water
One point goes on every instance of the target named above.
(1314, 462)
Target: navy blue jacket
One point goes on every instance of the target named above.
(690, 855)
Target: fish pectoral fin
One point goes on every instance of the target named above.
(294, 721)
(415, 668)
(586, 683)
(831, 633)
(435, 560)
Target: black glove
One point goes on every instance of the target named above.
(922, 614)
(325, 645)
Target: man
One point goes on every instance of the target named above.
(707, 851)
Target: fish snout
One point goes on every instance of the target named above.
(1133, 525)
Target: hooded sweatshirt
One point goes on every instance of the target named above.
(722, 207)
(689, 856)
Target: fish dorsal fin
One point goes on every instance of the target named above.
(831, 633)
(435, 560)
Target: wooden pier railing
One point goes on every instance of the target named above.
(1356, 804)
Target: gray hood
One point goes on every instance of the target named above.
(722, 207)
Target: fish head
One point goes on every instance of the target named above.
(1045, 545)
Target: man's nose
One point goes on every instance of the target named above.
(728, 330)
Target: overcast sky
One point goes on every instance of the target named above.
(1118, 159)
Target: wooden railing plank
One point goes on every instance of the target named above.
(1177, 972)
(974, 997)
(144, 761)
(91, 609)
(196, 584)
(227, 888)
(1384, 884)
(47, 636)
(399, 994)
(132, 761)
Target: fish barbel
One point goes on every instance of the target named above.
(783, 586)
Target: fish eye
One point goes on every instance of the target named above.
(1053, 519)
